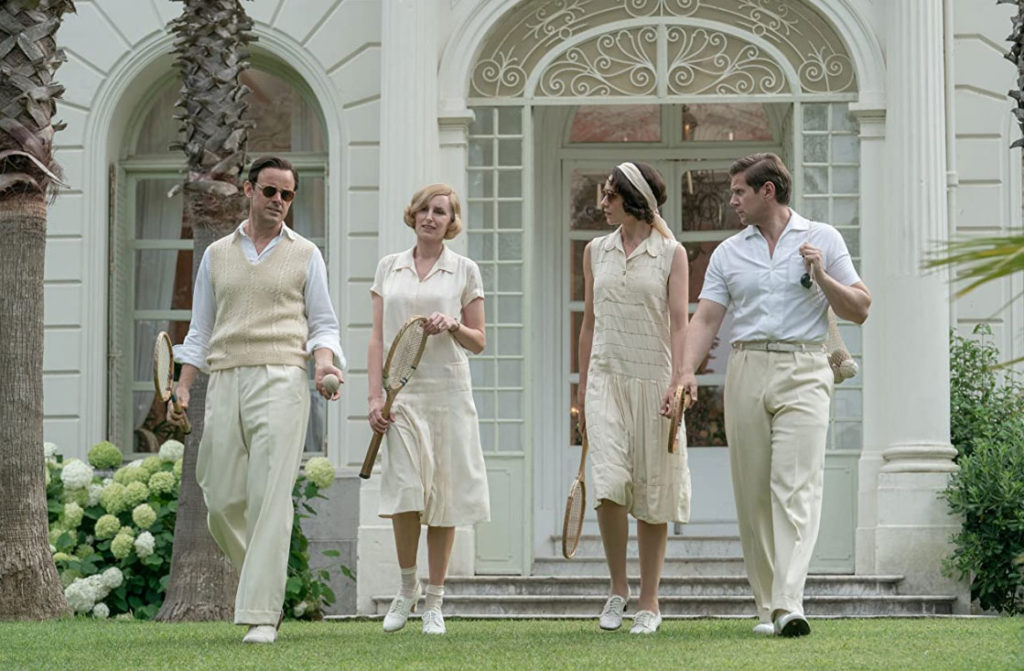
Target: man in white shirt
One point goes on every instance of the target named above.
(260, 310)
(778, 276)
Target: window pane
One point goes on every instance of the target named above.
(729, 122)
(306, 215)
(577, 283)
(705, 195)
(163, 279)
(158, 217)
(616, 123)
(160, 128)
(585, 212)
(284, 121)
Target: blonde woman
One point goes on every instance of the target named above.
(630, 361)
(433, 472)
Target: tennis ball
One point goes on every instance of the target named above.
(330, 383)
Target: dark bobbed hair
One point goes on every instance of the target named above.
(264, 162)
(633, 202)
(759, 169)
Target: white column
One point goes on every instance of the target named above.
(409, 151)
(453, 121)
(909, 330)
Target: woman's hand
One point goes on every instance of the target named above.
(440, 323)
(377, 420)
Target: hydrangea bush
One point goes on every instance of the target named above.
(307, 591)
(111, 537)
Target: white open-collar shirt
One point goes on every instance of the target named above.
(323, 323)
(764, 291)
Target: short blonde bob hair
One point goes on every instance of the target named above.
(422, 198)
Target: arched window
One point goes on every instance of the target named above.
(151, 241)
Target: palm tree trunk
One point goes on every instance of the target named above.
(29, 585)
(202, 583)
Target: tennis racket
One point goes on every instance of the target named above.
(163, 373)
(680, 402)
(572, 523)
(403, 357)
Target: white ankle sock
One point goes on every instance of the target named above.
(435, 595)
(408, 588)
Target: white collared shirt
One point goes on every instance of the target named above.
(764, 291)
(323, 323)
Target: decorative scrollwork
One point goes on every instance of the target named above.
(711, 62)
(801, 39)
(765, 20)
(618, 63)
(824, 70)
(502, 73)
(559, 20)
(643, 8)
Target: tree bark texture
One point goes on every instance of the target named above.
(30, 588)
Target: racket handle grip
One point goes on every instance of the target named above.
(188, 425)
(371, 456)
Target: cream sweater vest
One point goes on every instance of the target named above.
(261, 307)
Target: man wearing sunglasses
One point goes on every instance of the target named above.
(778, 276)
(260, 311)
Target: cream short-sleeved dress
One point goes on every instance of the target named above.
(433, 463)
(630, 369)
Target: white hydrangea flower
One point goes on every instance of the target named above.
(107, 481)
(112, 577)
(53, 548)
(320, 472)
(94, 491)
(100, 611)
(76, 474)
(171, 451)
(49, 450)
(73, 515)
(300, 609)
(83, 593)
(144, 544)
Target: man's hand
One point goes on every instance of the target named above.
(182, 394)
(813, 261)
(321, 372)
(689, 383)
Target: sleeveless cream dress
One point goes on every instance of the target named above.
(630, 369)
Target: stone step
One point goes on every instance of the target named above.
(721, 585)
(673, 566)
(536, 606)
(677, 546)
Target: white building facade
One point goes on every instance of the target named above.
(892, 116)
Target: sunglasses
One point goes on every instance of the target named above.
(271, 191)
(806, 281)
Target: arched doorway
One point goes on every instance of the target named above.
(562, 92)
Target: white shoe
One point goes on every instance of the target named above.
(261, 633)
(645, 622)
(611, 615)
(433, 621)
(792, 625)
(399, 611)
(764, 629)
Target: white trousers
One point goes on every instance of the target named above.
(776, 423)
(249, 457)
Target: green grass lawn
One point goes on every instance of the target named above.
(83, 645)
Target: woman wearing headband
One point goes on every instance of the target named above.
(630, 356)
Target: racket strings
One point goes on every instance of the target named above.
(406, 354)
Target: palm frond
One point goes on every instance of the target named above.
(978, 261)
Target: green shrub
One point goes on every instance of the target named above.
(307, 591)
(987, 493)
(984, 402)
(111, 542)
